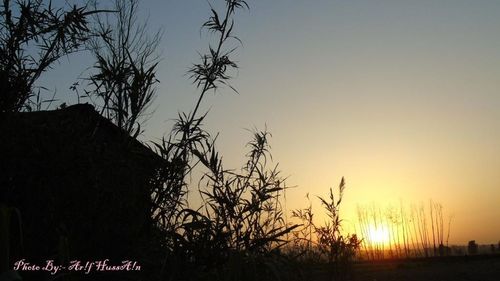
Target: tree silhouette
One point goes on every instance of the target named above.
(34, 35)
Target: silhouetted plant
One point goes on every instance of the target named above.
(241, 218)
(337, 248)
(34, 35)
(245, 206)
(241, 222)
(303, 246)
(409, 233)
(169, 187)
(242, 211)
(124, 76)
(187, 136)
(213, 69)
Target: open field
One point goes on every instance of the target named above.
(464, 268)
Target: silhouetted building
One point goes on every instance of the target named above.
(472, 247)
(80, 184)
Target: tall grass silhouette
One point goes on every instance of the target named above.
(410, 231)
(237, 232)
(123, 78)
(330, 243)
(34, 35)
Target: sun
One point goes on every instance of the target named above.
(378, 234)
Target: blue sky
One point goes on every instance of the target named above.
(400, 97)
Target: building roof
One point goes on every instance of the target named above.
(73, 174)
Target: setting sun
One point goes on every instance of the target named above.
(378, 234)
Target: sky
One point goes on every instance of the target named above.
(402, 98)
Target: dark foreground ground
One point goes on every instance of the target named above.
(468, 268)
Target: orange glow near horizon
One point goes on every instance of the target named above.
(378, 234)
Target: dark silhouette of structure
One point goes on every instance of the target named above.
(80, 184)
(472, 247)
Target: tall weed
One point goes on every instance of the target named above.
(239, 228)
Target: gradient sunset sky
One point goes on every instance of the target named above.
(402, 98)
